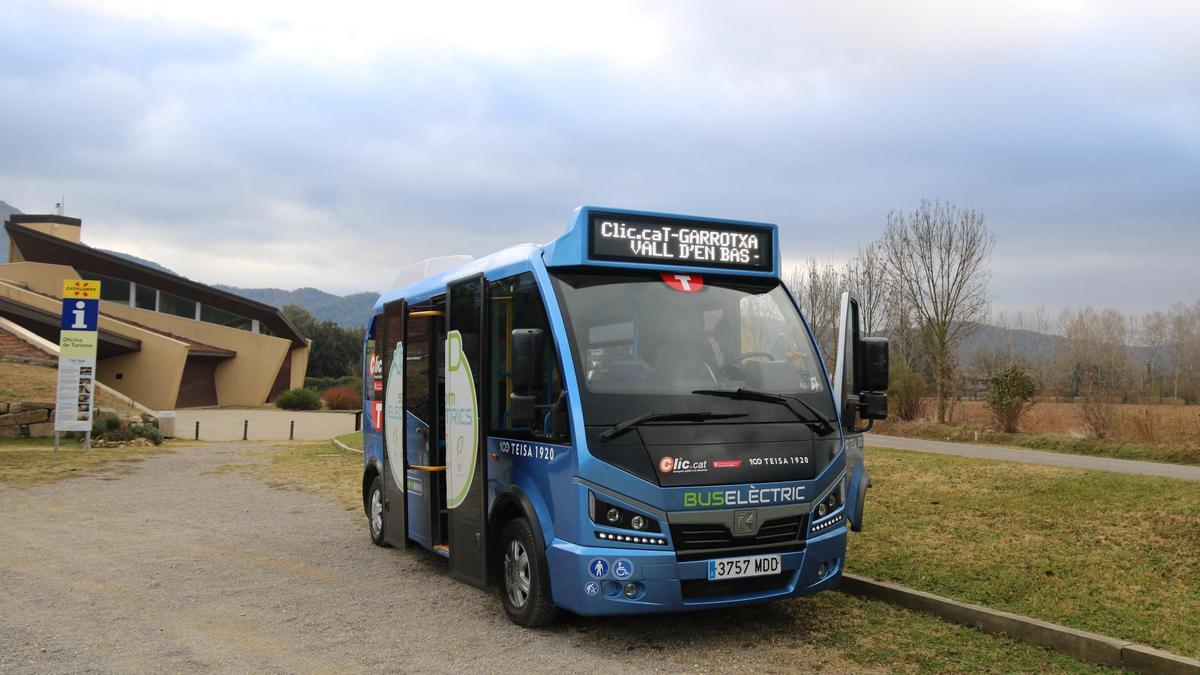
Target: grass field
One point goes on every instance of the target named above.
(33, 460)
(867, 632)
(1111, 553)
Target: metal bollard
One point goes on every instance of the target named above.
(292, 431)
(245, 428)
(197, 430)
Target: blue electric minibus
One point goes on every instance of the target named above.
(631, 418)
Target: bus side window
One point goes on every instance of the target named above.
(373, 361)
(516, 302)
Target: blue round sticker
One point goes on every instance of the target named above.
(598, 568)
(622, 568)
(592, 588)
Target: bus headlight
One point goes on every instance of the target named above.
(827, 513)
(604, 513)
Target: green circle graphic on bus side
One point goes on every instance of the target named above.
(462, 422)
(393, 415)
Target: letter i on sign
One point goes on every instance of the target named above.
(684, 283)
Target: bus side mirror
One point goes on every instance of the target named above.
(526, 375)
(861, 376)
(527, 359)
(873, 384)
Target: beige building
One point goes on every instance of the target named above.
(165, 341)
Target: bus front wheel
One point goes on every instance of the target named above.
(376, 515)
(525, 586)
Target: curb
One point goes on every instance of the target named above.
(345, 447)
(1084, 645)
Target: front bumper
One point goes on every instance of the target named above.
(666, 585)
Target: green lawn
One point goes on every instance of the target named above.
(353, 439)
(1115, 554)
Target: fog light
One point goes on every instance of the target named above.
(822, 569)
(638, 522)
(630, 590)
(613, 515)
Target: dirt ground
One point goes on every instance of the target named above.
(180, 565)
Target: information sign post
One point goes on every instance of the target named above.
(77, 342)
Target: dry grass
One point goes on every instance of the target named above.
(321, 468)
(1158, 433)
(28, 461)
(28, 382)
(1134, 423)
(1106, 552)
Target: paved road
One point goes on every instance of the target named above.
(1036, 457)
(264, 424)
(182, 564)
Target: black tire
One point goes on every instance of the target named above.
(538, 609)
(376, 513)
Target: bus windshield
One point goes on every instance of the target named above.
(647, 341)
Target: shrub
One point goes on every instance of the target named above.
(118, 435)
(323, 383)
(148, 432)
(298, 399)
(1010, 393)
(103, 424)
(342, 398)
(906, 388)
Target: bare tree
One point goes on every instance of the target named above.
(1185, 351)
(1152, 333)
(818, 288)
(937, 256)
(865, 275)
(1096, 361)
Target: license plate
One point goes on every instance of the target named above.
(748, 566)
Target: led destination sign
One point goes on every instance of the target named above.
(680, 242)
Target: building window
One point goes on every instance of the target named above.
(113, 289)
(169, 303)
(223, 318)
(146, 298)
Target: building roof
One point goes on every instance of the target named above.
(36, 246)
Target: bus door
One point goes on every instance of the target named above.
(466, 482)
(425, 478)
(394, 471)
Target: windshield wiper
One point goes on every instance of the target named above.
(824, 424)
(694, 416)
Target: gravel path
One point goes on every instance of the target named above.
(177, 565)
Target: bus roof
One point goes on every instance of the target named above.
(622, 238)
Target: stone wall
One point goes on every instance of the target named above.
(38, 417)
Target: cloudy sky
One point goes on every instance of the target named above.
(291, 144)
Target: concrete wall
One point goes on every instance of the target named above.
(299, 356)
(150, 376)
(242, 380)
(40, 277)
